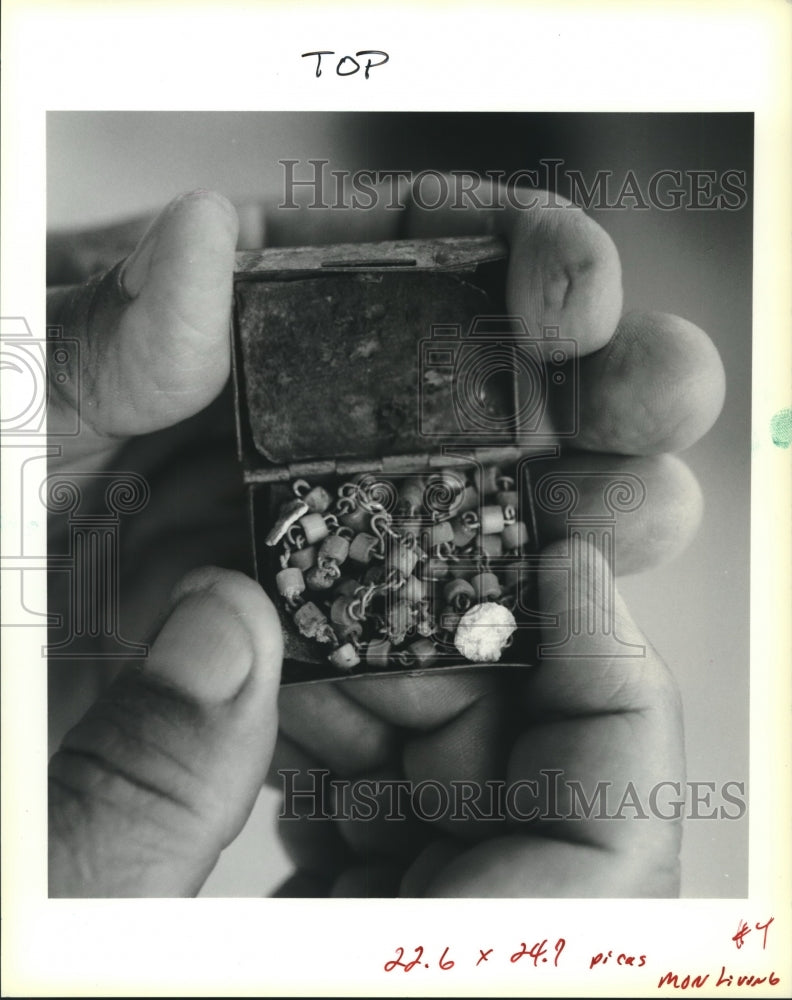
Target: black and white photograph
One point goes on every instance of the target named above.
(395, 515)
(469, 396)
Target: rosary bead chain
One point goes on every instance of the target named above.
(403, 546)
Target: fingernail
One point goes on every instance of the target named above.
(135, 268)
(204, 649)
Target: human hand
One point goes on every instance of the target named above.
(162, 772)
(650, 384)
(587, 306)
(610, 726)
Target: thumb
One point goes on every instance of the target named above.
(162, 772)
(152, 333)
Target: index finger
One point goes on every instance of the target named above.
(564, 269)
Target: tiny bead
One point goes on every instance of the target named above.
(317, 499)
(483, 631)
(492, 545)
(402, 558)
(362, 547)
(290, 582)
(339, 611)
(321, 578)
(346, 587)
(408, 527)
(334, 547)
(288, 515)
(423, 651)
(469, 501)
(375, 574)
(303, 558)
(377, 653)
(345, 625)
(345, 657)
(463, 533)
(399, 619)
(491, 520)
(435, 568)
(413, 589)
(314, 527)
(514, 536)
(486, 480)
(411, 494)
(508, 498)
(357, 519)
(441, 532)
(486, 587)
(457, 588)
(310, 620)
(453, 477)
(425, 624)
(354, 630)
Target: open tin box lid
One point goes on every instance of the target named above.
(367, 358)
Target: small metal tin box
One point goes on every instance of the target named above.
(388, 375)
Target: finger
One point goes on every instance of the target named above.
(351, 730)
(456, 731)
(328, 726)
(564, 269)
(435, 857)
(459, 764)
(195, 516)
(420, 702)
(75, 256)
(519, 867)
(657, 386)
(153, 335)
(306, 823)
(652, 506)
(376, 815)
(604, 711)
(302, 886)
(601, 720)
(373, 880)
(163, 771)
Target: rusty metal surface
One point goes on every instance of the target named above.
(446, 254)
(331, 378)
(331, 366)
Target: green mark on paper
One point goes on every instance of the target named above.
(781, 428)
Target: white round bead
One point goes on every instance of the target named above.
(483, 632)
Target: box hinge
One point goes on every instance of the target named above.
(389, 464)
